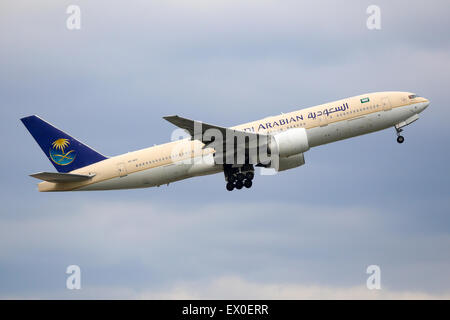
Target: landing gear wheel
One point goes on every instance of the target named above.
(231, 178)
(250, 175)
(230, 186)
(400, 139)
(248, 183)
(239, 184)
(240, 176)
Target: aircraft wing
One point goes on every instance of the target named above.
(58, 177)
(238, 140)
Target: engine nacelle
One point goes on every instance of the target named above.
(287, 163)
(289, 143)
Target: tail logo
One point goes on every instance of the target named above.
(58, 154)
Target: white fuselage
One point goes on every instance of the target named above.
(157, 165)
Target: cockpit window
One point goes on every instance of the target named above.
(412, 96)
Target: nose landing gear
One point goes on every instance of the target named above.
(239, 177)
(400, 138)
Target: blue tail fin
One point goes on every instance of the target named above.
(64, 152)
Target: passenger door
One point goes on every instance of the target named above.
(122, 170)
(386, 104)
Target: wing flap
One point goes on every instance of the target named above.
(207, 133)
(194, 128)
(58, 177)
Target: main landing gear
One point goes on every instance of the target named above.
(400, 138)
(239, 177)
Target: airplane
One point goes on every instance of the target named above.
(277, 143)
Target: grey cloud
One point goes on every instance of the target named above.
(356, 202)
(148, 246)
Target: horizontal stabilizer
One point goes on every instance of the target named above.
(58, 177)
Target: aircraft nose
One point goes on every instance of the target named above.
(421, 105)
(426, 103)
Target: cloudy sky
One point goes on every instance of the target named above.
(307, 233)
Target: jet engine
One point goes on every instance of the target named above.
(287, 148)
(287, 163)
(288, 143)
